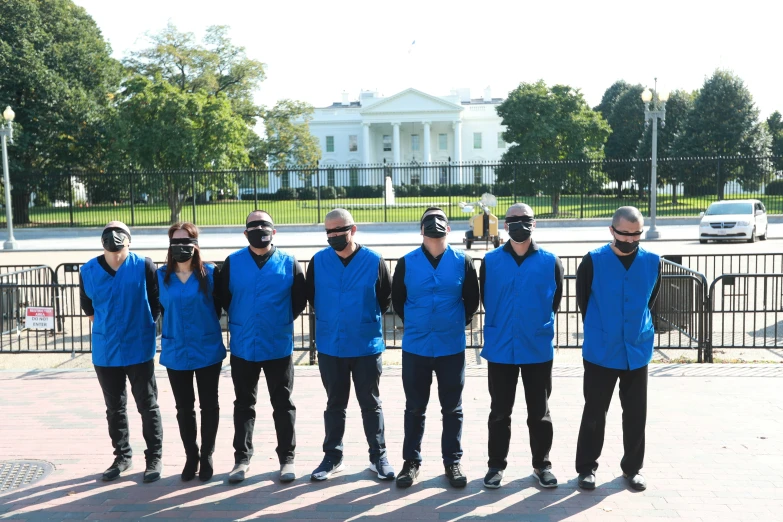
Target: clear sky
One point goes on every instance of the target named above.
(316, 49)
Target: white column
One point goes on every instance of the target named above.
(458, 146)
(427, 151)
(396, 153)
(396, 142)
(365, 143)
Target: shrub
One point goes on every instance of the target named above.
(341, 192)
(284, 194)
(308, 193)
(774, 188)
(328, 193)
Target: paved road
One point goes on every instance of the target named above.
(714, 453)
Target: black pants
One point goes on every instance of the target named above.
(336, 375)
(145, 393)
(598, 389)
(416, 381)
(537, 381)
(279, 374)
(207, 380)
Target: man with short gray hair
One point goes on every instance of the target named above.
(616, 287)
(351, 293)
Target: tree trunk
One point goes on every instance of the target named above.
(175, 202)
(555, 204)
(674, 192)
(20, 206)
(619, 189)
(721, 191)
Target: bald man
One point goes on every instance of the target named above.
(119, 293)
(521, 288)
(263, 290)
(349, 297)
(616, 288)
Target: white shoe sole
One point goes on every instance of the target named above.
(382, 477)
(336, 470)
(491, 486)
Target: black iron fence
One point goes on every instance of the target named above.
(738, 310)
(391, 193)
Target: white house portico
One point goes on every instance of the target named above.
(409, 127)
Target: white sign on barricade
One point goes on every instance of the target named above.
(39, 318)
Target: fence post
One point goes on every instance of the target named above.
(255, 189)
(311, 319)
(70, 196)
(582, 197)
(514, 186)
(132, 201)
(318, 188)
(717, 176)
(448, 184)
(383, 183)
(193, 190)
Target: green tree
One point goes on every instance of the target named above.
(677, 109)
(775, 129)
(551, 124)
(723, 122)
(161, 127)
(57, 73)
(288, 143)
(626, 119)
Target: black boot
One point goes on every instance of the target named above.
(191, 467)
(209, 427)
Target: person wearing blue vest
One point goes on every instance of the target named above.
(616, 288)
(521, 288)
(349, 298)
(119, 293)
(191, 344)
(263, 290)
(435, 292)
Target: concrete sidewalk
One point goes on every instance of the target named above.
(714, 453)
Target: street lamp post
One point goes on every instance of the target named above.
(7, 132)
(658, 100)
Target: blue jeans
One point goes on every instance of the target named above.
(416, 381)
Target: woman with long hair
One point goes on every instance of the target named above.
(192, 344)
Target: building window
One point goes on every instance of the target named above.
(476, 140)
(330, 177)
(308, 181)
(330, 144)
(501, 142)
(353, 174)
(415, 177)
(415, 142)
(387, 143)
(477, 175)
(444, 175)
(353, 143)
(285, 179)
(443, 141)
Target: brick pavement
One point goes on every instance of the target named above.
(714, 452)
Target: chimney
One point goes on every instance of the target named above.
(487, 94)
(345, 99)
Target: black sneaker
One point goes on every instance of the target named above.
(493, 478)
(636, 481)
(456, 478)
(326, 469)
(586, 480)
(153, 471)
(409, 473)
(546, 478)
(120, 466)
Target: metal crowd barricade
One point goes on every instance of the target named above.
(746, 311)
(28, 310)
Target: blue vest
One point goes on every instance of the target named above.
(348, 320)
(519, 323)
(123, 332)
(618, 326)
(434, 309)
(260, 318)
(191, 330)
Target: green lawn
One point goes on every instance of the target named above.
(364, 210)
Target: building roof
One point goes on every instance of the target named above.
(481, 101)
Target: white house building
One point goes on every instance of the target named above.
(410, 127)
